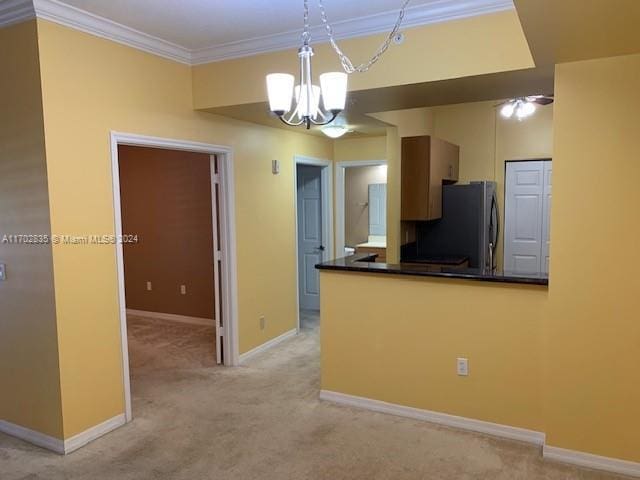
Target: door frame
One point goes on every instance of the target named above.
(226, 210)
(326, 180)
(340, 197)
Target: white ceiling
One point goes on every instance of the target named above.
(197, 24)
(202, 31)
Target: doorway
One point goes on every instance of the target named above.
(527, 216)
(361, 207)
(222, 241)
(170, 230)
(314, 228)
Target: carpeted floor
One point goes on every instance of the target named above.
(161, 345)
(264, 421)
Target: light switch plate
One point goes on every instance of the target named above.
(3, 272)
(462, 365)
(275, 167)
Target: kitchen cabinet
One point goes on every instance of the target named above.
(427, 164)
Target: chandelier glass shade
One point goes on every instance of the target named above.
(310, 104)
(307, 96)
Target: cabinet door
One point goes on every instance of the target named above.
(415, 198)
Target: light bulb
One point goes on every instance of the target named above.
(529, 108)
(301, 97)
(507, 110)
(280, 91)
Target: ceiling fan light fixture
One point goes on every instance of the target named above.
(507, 110)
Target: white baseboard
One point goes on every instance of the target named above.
(31, 436)
(173, 317)
(58, 445)
(81, 439)
(267, 345)
(590, 460)
(497, 430)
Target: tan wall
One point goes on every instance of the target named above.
(485, 138)
(356, 200)
(90, 87)
(412, 360)
(166, 203)
(592, 397)
(563, 360)
(360, 148)
(472, 46)
(29, 376)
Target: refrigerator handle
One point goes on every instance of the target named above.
(493, 245)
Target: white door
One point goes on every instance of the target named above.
(310, 248)
(378, 209)
(526, 247)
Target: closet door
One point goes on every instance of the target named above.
(524, 214)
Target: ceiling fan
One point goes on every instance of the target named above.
(523, 107)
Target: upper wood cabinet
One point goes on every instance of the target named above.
(427, 164)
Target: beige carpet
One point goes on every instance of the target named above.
(264, 421)
(164, 345)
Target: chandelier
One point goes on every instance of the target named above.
(332, 90)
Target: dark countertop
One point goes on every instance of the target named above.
(365, 263)
(444, 260)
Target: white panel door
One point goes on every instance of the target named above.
(524, 188)
(378, 209)
(546, 217)
(310, 248)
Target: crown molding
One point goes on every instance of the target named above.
(15, 11)
(434, 12)
(78, 19)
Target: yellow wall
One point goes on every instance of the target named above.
(402, 348)
(29, 377)
(563, 360)
(473, 46)
(92, 86)
(593, 329)
(486, 141)
(360, 148)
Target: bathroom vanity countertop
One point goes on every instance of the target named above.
(372, 245)
(365, 263)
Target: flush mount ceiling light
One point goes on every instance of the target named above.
(523, 107)
(333, 85)
(335, 131)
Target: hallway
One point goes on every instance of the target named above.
(264, 421)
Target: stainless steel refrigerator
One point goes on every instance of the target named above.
(469, 225)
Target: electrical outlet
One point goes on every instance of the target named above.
(263, 322)
(3, 272)
(149, 287)
(463, 367)
(183, 289)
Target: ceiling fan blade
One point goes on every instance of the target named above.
(540, 99)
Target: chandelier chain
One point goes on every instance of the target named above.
(306, 32)
(346, 62)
